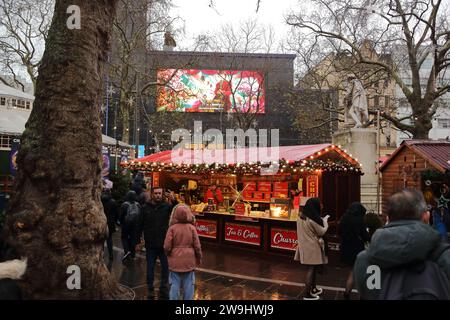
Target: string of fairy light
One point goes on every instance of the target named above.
(283, 166)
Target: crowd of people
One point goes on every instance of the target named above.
(412, 257)
(406, 257)
(168, 232)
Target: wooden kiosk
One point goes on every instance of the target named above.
(262, 199)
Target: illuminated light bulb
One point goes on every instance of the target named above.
(311, 157)
(319, 153)
(326, 149)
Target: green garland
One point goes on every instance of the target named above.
(285, 167)
(434, 175)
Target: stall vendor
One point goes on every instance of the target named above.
(213, 193)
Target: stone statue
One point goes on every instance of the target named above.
(356, 102)
(169, 41)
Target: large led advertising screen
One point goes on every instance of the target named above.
(193, 90)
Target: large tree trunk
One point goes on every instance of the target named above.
(422, 121)
(55, 217)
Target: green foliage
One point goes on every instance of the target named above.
(121, 185)
(434, 175)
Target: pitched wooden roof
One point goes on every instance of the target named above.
(437, 153)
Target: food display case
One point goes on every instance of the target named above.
(280, 208)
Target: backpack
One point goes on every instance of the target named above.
(423, 280)
(133, 211)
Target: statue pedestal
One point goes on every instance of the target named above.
(361, 143)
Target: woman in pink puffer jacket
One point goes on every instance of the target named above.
(184, 252)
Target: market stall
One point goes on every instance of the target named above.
(241, 200)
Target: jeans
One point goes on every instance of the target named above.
(129, 240)
(152, 254)
(185, 280)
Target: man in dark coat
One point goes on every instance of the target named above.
(354, 236)
(154, 224)
(112, 215)
(407, 239)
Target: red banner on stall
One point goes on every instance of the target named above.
(312, 186)
(283, 239)
(155, 182)
(243, 233)
(206, 228)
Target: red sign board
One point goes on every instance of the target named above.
(155, 179)
(206, 228)
(239, 209)
(312, 186)
(283, 239)
(243, 233)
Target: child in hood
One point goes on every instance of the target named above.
(183, 250)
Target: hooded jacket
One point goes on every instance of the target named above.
(111, 211)
(398, 243)
(182, 244)
(353, 233)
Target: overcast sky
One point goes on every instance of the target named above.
(200, 18)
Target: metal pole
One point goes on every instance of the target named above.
(378, 161)
(107, 100)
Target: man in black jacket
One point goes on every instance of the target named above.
(112, 215)
(154, 224)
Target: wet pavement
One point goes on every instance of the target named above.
(229, 274)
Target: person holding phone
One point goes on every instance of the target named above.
(310, 251)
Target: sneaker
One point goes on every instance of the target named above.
(316, 291)
(125, 256)
(311, 297)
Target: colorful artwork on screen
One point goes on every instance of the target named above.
(192, 90)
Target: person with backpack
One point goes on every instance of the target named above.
(311, 228)
(354, 237)
(129, 221)
(184, 252)
(406, 259)
(154, 224)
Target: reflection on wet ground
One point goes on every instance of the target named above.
(229, 274)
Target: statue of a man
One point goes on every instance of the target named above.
(356, 101)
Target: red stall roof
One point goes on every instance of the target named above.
(244, 155)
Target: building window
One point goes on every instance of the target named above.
(443, 123)
(28, 105)
(386, 101)
(377, 101)
(2, 101)
(13, 102)
(5, 141)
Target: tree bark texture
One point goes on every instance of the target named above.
(55, 218)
